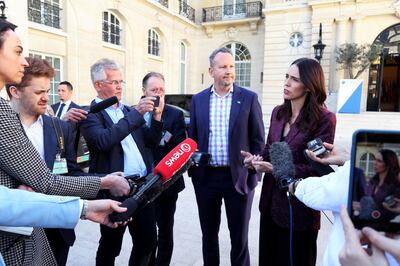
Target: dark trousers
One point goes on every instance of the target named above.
(58, 244)
(275, 245)
(217, 185)
(165, 207)
(143, 232)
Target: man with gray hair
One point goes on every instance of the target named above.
(225, 119)
(118, 138)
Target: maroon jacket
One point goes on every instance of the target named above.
(273, 199)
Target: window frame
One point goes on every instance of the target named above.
(153, 43)
(112, 23)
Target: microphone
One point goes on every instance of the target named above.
(167, 171)
(103, 105)
(282, 162)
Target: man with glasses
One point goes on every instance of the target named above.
(119, 139)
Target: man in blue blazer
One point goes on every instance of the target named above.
(119, 140)
(65, 104)
(224, 120)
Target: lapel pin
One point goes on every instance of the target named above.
(238, 102)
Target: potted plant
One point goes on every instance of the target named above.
(354, 59)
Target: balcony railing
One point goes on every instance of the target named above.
(186, 11)
(44, 13)
(228, 12)
(163, 2)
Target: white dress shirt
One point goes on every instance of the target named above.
(35, 135)
(65, 109)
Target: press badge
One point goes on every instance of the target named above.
(60, 165)
(166, 137)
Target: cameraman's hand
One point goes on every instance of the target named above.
(98, 211)
(116, 184)
(333, 156)
(352, 252)
(395, 208)
(145, 104)
(385, 243)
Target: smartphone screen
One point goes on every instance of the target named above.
(374, 194)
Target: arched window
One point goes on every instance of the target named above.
(182, 66)
(153, 44)
(367, 164)
(242, 63)
(111, 28)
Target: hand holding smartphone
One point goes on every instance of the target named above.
(374, 194)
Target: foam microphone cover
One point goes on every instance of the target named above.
(103, 104)
(175, 159)
(131, 204)
(282, 160)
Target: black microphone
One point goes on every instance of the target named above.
(282, 162)
(103, 105)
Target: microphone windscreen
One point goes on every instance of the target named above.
(282, 160)
(175, 159)
(103, 104)
(131, 204)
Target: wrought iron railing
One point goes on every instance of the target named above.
(226, 12)
(163, 2)
(44, 13)
(186, 11)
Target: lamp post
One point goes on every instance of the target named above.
(2, 7)
(319, 46)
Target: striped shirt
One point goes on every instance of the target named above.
(220, 110)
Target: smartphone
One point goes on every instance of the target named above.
(375, 180)
(157, 101)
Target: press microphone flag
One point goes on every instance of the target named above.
(103, 104)
(282, 161)
(175, 159)
(165, 171)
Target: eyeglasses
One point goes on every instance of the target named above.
(113, 82)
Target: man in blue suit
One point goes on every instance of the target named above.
(59, 155)
(65, 104)
(25, 208)
(225, 119)
(119, 140)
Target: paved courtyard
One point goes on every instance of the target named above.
(187, 249)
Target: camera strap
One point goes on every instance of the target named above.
(60, 136)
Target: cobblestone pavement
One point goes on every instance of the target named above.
(187, 248)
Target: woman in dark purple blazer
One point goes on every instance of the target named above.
(301, 118)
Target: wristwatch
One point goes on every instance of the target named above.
(84, 209)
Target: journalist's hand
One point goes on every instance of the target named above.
(145, 104)
(116, 184)
(395, 208)
(74, 115)
(98, 211)
(352, 252)
(333, 156)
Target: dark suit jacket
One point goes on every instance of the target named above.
(246, 132)
(51, 148)
(275, 199)
(104, 139)
(56, 105)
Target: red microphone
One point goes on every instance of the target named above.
(175, 159)
(167, 171)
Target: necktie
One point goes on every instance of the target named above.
(60, 110)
